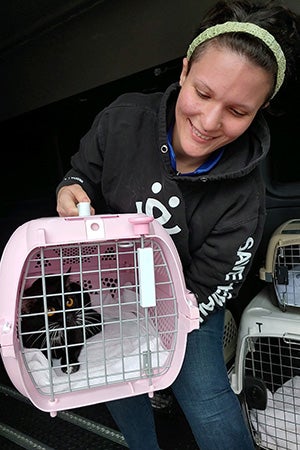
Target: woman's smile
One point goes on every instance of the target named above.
(200, 134)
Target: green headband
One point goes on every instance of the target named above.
(250, 28)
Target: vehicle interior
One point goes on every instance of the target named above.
(60, 64)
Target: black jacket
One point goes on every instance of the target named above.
(216, 220)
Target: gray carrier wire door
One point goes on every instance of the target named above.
(111, 303)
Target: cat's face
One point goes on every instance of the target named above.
(56, 296)
(60, 315)
(62, 308)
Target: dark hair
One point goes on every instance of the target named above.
(273, 16)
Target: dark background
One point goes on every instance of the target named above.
(62, 62)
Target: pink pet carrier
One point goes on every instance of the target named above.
(129, 267)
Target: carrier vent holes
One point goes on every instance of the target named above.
(87, 285)
(229, 337)
(38, 262)
(230, 331)
(109, 254)
(111, 284)
(55, 257)
(83, 252)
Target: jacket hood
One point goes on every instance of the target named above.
(240, 156)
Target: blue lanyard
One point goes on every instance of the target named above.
(211, 162)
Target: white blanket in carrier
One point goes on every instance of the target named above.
(120, 352)
(279, 424)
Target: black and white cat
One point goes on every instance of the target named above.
(62, 327)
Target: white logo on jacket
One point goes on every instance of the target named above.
(224, 292)
(153, 203)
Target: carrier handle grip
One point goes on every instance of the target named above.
(291, 337)
(84, 209)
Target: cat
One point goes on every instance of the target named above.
(34, 321)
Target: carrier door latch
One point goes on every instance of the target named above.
(282, 275)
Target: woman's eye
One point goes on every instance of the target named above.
(70, 302)
(51, 311)
(237, 113)
(202, 95)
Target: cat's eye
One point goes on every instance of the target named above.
(51, 311)
(70, 302)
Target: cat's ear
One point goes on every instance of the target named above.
(28, 305)
(35, 288)
(67, 277)
(74, 287)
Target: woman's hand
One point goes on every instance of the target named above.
(67, 199)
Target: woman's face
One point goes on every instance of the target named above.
(218, 100)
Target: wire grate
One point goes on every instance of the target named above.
(272, 374)
(95, 309)
(282, 265)
(287, 275)
(107, 273)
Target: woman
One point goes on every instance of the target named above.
(190, 157)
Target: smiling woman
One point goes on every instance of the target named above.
(200, 142)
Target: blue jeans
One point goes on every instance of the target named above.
(203, 391)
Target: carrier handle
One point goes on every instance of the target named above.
(291, 337)
(84, 209)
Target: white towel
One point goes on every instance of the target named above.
(116, 354)
(279, 424)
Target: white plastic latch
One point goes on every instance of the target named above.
(146, 277)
